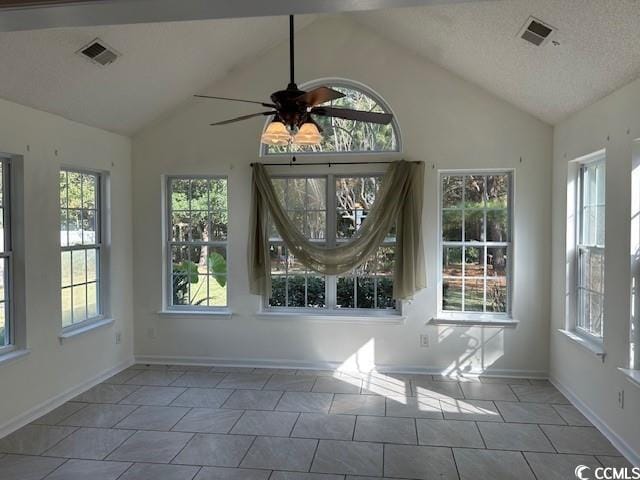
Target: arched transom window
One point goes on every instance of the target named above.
(348, 136)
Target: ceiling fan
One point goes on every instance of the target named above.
(293, 110)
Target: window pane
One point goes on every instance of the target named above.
(316, 193)
(89, 191)
(384, 295)
(78, 267)
(278, 255)
(474, 225)
(217, 269)
(452, 294)
(497, 191)
(218, 226)
(64, 234)
(179, 194)
(366, 292)
(89, 227)
(74, 190)
(296, 289)
(75, 227)
(4, 275)
(315, 225)
(79, 303)
(65, 269)
(218, 194)
(497, 226)
(92, 265)
(385, 260)
(181, 221)
(474, 191)
(63, 189)
(473, 262)
(451, 192)
(296, 193)
(92, 300)
(497, 295)
(452, 261)
(67, 318)
(345, 292)
(452, 226)
(315, 291)
(473, 294)
(278, 291)
(4, 327)
(497, 261)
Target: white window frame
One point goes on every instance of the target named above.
(580, 249)
(101, 245)
(330, 308)
(345, 83)
(7, 256)
(169, 243)
(480, 317)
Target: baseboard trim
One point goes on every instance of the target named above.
(57, 400)
(280, 363)
(623, 447)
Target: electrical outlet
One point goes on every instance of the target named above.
(424, 341)
(118, 338)
(621, 398)
(151, 333)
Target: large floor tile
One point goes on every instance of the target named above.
(581, 440)
(572, 416)
(253, 400)
(419, 462)
(244, 381)
(154, 378)
(105, 393)
(89, 443)
(305, 402)
(215, 450)
(224, 473)
(357, 458)
(202, 397)
(477, 410)
(539, 394)
(21, 467)
(488, 391)
(34, 439)
(526, 412)
(323, 426)
(358, 404)
(551, 466)
(305, 476)
(231, 369)
(337, 385)
(198, 379)
(59, 414)
(448, 433)
(291, 383)
(275, 371)
(273, 453)
(435, 389)
(277, 424)
(413, 407)
(208, 420)
(122, 377)
(153, 447)
(153, 418)
(386, 430)
(150, 471)
(491, 465)
(514, 436)
(89, 469)
(160, 396)
(505, 380)
(615, 462)
(99, 415)
(386, 385)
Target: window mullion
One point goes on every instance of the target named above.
(331, 283)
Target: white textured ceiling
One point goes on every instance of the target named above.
(599, 48)
(162, 64)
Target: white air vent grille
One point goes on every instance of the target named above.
(536, 32)
(99, 53)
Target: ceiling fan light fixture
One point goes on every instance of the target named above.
(308, 134)
(276, 133)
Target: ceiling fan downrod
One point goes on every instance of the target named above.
(292, 83)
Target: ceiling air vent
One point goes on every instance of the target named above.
(99, 52)
(535, 31)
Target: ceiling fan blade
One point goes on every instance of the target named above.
(358, 115)
(243, 117)
(269, 105)
(319, 95)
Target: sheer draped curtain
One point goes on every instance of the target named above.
(398, 203)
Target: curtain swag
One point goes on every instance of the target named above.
(398, 202)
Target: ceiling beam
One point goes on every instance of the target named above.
(38, 14)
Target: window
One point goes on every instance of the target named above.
(82, 266)
(476, 242)
(590, 248)
(6, 320)
(340, 135)
(329, 209)
(197, 243)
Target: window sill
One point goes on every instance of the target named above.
(13, 355)
(632, 375)
(471, 321)
(71, 332)
(222, 313)
(381, 319)
(593, 346)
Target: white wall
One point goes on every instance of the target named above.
(46, 142)
(445, 121)
(612, 123)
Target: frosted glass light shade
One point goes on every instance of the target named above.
(276, 133)
(308, 134)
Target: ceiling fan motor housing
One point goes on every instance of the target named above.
(290, 110)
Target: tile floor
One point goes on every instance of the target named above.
(225, 423)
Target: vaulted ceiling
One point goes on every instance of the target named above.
(162, 64)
